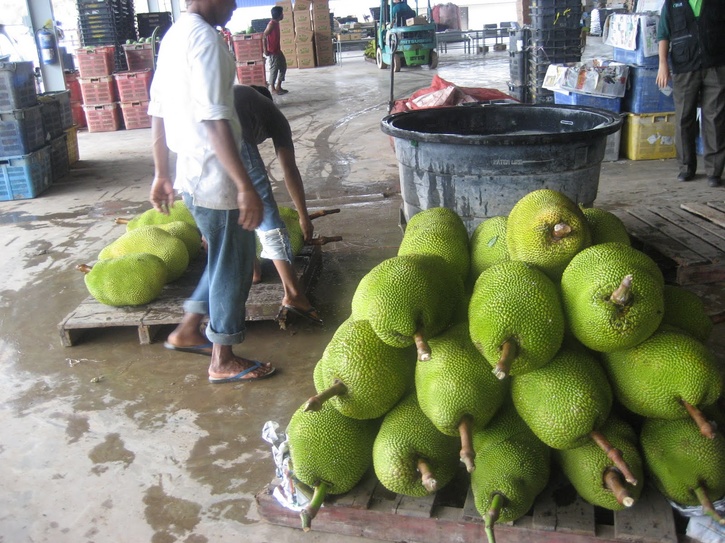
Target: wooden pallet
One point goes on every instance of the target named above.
(687, 241)
(263, 302)
(558, 516)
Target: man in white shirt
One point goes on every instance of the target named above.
(192, 109)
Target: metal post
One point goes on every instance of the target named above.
(41, 11)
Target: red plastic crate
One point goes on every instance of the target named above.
(252, 72)
(79, 116)
(103, 117)
(133, 86)
(74, 86)
(135, 114)
(248, 47)
(95, 61)
(139, 56)
(98, 90)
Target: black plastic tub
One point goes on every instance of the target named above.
(480, 160)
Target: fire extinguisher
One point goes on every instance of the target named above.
(48, 49)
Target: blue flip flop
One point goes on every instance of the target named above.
(204, 348)
(240, 376)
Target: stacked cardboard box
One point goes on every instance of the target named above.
(322, 28)
(304, 35)
(287, 33)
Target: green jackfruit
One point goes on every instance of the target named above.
(410, 456)
(685, 466)
(654, 378)
(594, 475)
(605, 227)
(291, 219)
(187, 233)
(153, 240)
(456, 389)
(488, 245)
(151, 217)
(684, 309)
(438, 231)
(513, 468)
(546, 229)
(408, 299)
(133, 279)
(515, 317)
(329, 451)
(613, 296)
(366, 376)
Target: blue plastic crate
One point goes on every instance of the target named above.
(25, 176)
(636, 57)
(17, 85)
(21, 131)
(588, 100)
(643, 95)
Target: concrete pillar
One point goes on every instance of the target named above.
(41, 11)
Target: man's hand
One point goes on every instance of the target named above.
(162, 194)
(663, 76)
(307, 228)
(250, 209)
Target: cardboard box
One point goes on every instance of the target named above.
(305, 49)
(286, 6)
(302, 5)
(418, 20)
(320, 4)
(303, 20)
(287, 41)
(597, 76)
(287, 26)
(306, 61)
(325, 58)
(304, 36)
(323, 41)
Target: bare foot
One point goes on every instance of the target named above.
(231, 369)
(257, 275)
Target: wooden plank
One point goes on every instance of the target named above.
(692, 250)
(693, 275)
(712, 211)
(359, 497)
(710, 232)
(545, 510)
(416, 507)
(470, 513)
(576, 517)
(650, 519)
(652, 237)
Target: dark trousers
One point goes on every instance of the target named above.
(707, 89)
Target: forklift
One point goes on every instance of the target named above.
(399, 46)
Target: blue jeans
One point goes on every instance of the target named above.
(272, 231)
(224, 286)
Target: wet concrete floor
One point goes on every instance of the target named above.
(113, 441)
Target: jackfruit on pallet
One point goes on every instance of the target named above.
(605, 227)
(177, 212)
(488, 245)
(129, 280)
(685, 310)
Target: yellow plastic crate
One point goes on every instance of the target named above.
(72, 142)
(649, 136)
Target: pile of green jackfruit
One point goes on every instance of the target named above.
(545, 341)
(155, 250)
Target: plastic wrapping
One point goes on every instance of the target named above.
(289, 492)
(701, 527)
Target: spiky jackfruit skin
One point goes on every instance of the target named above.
(564, 401)
(438, 231)
(151, 217)
(587, 286)
(457, 382)
(515, 301)
(586, 466)
(684, 309)
(531, 226)
(679, 458)
(605, 227)
(326, 446)
(376, 374)
(405, 436)
(134, 279)
(153, 240)
(406, 294)
(291, 219)
(654, 377)
(511, 461)
(187, 233)
(488, 245)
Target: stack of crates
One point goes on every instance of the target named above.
(57, 117)
(133, 94)
(519, 42)
(148, 22)
(95, 67)
(249, 52)
(25, 169)
(555, 39)
(107, 22)
(76, 98)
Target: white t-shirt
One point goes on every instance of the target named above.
(193, 83)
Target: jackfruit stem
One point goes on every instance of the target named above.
(509, 351)
(338, 388)
(426, 476)
(561, 230)
(422, 346)
(121, 220)
(467, 452)
(322, 213)
(85, 268)
(706, 428)
(615, 455)
(623, 294)
(613, 481)
(323, 240)
(492, 515)
(707, 506)
(310, 512)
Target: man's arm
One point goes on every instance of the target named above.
(293, 182)
(222, 141)
(663, 72)
(265, 34)
(162, 188)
